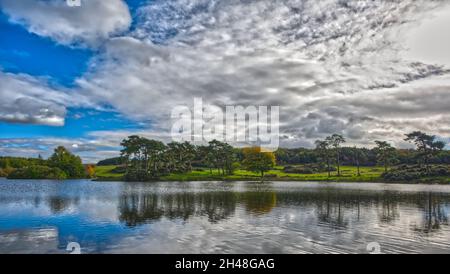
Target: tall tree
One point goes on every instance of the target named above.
(227, 155)
(153, 152)
(385, 153)
(356, 156)
(335, 141)
(145, 159)
(131, 152)
(206, 157)
(427, 146)
(324, 150)
(189, 151)
(222, 155)
(180, 156)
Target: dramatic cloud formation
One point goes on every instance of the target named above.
(25, 99)
(89, 24)
(332, 66)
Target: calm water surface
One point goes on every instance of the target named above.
(222, 217)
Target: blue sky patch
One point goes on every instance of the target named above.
(25, 52)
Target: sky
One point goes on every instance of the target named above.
(86, 77)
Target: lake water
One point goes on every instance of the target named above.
(222, 217)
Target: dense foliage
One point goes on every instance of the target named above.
(70, 164)
(144, 159)
(367, 157)
(17, 162)
(150, 159)
(302, 156)
(61, 165)
(412, 173)
(308, 169)
(38, 172)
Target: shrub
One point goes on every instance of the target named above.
(307, 169)
(90, 171)
(4, 172)
(38, 172)
(415, 172)
(119, 170)
(138, 176)
(270, 176)
(299, 170)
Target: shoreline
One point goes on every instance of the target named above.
(421, 182)
(425, 181)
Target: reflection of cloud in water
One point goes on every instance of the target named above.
(105, 211)
(330, 221)
(29, 241)
(198, 235)
(224, 217)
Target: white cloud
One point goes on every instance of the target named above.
(24, 99)
(339, 59)
(332, 66)
(89, 24)
(429, 42)
(30, 100)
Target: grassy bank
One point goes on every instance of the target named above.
(349, 174)
(107, 173)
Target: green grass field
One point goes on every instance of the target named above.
(349, 174)
(106, 172)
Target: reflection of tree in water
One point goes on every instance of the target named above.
(334, 207)
(136, 209)
(434, 214)
(139, 208)
(259, 198)
(259, 202)
(59, 204)
(330, 211)
(389, 207)
(218, 206)
(56, 204)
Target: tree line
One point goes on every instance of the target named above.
(146, 159)
(427, 148)
(62, 164)
(143, 159)
(350, 156)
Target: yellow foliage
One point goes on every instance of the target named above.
(90, 170)
(249, 151)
